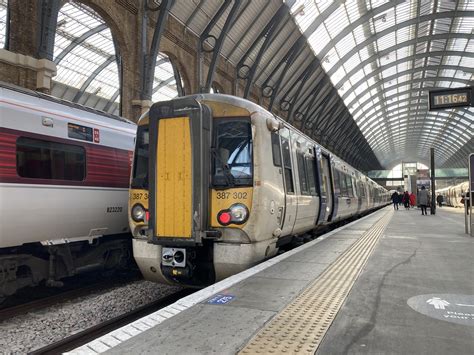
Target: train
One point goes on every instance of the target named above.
(64, 179)
(220, 184)
(452, 195)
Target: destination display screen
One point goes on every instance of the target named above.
(442, 99)
(80, 132)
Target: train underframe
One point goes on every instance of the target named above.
(32, 264)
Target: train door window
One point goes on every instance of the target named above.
(311, 170)
(41, 159)
(285, 145)
(350, 191)
(276, 152)
(337, 183)
(342, 184)
(302, 174)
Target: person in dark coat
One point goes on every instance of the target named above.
(423, 200)
(440, 200)
(395, 200)
(406, 200)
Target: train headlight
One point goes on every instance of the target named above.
(239, 213)
(138, 213)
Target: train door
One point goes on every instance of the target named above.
(327, 186)
(291, 202)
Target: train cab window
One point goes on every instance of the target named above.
(140, 164)
(285, 145)
(276, 149)
(232, 155)
(40, 159)
(302, 173)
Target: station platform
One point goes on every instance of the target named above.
(393, 282)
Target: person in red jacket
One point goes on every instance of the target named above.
(412, 200)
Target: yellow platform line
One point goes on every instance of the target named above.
(301, 326)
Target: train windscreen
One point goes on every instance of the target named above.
(232, 153)
(140, 165)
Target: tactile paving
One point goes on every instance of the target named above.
(301, 326)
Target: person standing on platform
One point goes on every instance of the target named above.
(439, 199)
(423, 200)
(395, 200)
(406, 200)
(412, 200)
(400, 198)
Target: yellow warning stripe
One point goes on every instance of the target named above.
(301, 326)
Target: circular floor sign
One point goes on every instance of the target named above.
(452, 308)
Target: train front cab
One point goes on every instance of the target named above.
(186, 232)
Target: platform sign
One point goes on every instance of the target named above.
(221, 299)
(450, 98)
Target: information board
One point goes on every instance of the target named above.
(449, 98)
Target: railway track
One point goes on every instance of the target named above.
(50, 300)
(83, 337)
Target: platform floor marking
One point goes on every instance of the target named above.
(204, 294)
(301, 326)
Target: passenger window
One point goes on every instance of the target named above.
(311, 170)
(39, 159)
(342, 182)
(287, 165)
(350, 191)
(337, 183)
(302, 174)
(276, 149)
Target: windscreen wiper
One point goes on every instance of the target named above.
(229, 178)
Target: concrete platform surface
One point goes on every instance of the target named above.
(415, 295)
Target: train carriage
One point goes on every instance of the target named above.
(64, 178)
(219, 184)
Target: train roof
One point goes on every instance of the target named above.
(50, 98)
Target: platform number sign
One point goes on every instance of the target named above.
(96, 135)
(221, 299)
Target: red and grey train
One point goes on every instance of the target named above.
(64, 178)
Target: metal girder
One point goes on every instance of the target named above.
(268, 34)
(91, 77)
(313, 95)
(406, 72)
(197, 8)
(111, 100)
(219, 41)
(238, 43)
(294, 53)
(409, 106)
(150, 58)
(163, 84)
(315, 79)
(322, 104)
(325, 112)
(177, 77)
(374, 37)
(78, 40)
(400, 45)
(376, 86)
(47, 28)
(302, 80)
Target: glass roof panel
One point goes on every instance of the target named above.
(3, 21)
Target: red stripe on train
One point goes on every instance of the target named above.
(105, 166)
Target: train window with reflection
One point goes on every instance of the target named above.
(276, 149)
(285, 147)
(41, 159)
(311, 169)
(140, 164)
(302, 173)
(232, 153)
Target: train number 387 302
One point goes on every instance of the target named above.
(223, 195)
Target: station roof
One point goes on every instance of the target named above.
(356, 74)
(352, 74)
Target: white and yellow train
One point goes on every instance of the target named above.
(219, 184)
